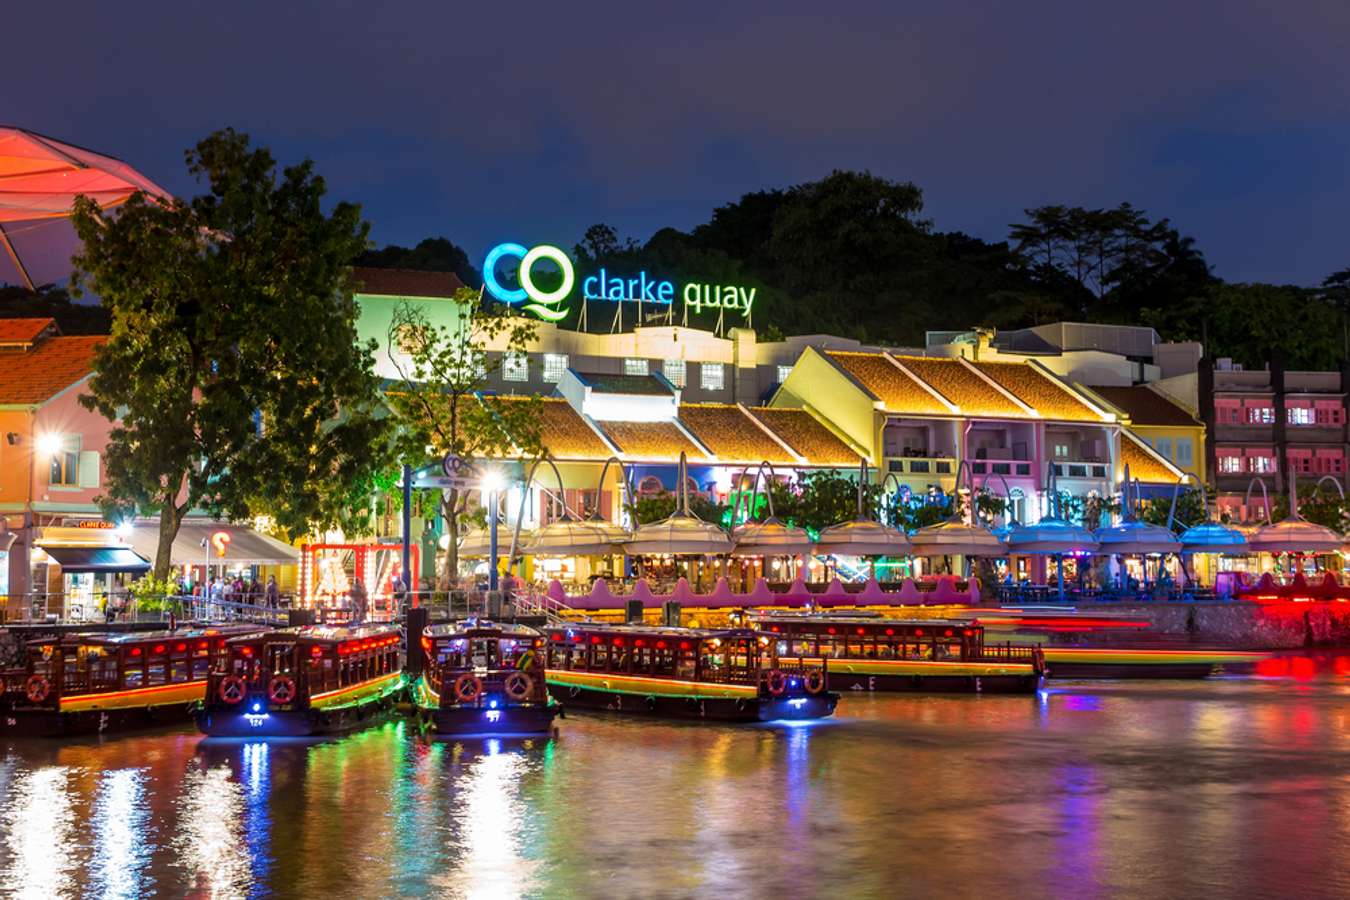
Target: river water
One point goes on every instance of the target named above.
(1234, 787)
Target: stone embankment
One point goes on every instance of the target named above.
(1240, 626)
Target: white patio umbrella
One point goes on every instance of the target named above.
(770, 537)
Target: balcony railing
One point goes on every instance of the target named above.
(1081, 468)
(920, 465)
(1001, 467)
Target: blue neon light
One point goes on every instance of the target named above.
(495, 255)
(257, 707)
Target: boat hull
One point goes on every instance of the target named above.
(1093, 662)
(533, 720)
(694, 706)
(50, 723)
(359, 706)
(936, 683)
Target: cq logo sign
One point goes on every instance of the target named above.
(544, 304)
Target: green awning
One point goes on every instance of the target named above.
(98, 559)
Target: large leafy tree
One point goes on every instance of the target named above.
(436, 254)
(443, 371)
(232, 373)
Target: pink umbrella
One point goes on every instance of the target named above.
(40, 179)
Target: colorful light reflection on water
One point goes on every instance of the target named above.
(1237, 786)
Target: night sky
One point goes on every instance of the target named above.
(510, 121)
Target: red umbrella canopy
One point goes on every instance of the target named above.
(40, 178)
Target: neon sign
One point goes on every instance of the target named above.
(601, 286)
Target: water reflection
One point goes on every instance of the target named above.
(123, 839)
(39, 821)
(1237, 786)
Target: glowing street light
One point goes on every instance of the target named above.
(49, 444)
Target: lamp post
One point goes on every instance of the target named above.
(491, 485)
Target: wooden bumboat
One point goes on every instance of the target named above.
(296, 682)
(729, 674)
(484, 679)
(1127, 661)
(924, 655)
(107, 682)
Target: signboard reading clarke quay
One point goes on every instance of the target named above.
(601, 285)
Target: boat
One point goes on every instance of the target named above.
(1126, 661)
(297, 682)
(484, 679)
(731, 674)
(867, 653)
(108, 682)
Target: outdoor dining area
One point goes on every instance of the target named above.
(1054, 560)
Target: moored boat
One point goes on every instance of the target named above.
(925, 655)
(484, 679)
(295, 682)
(1127, 661)
(729, 674)
(108, 682)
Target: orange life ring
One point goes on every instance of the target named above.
(518, 685)
(281, 689)
(467, 687)
(232, 689)
(776, 682)
(815, 681)
(37, 687)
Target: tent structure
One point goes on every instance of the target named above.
(40, 177)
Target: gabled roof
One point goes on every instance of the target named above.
(53, 364)
(643, 385)
(964, 388)
(1146, 406)
(1039, 391)
(25, 331)
(1145, 464)
(732, 435)
(405, 282)
(651, 441)
(806, 436)
(563, 432)
(884, 381)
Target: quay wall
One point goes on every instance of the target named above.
(1239, 626)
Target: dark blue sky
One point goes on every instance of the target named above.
(511, 121)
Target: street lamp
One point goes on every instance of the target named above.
(49, 444)
(491, 484)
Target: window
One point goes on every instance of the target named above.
(712, 376)
(1227, 412)
(1260, 415)
(66, 461)
(635, 367)
(1329, 412)
(673, 369)
(1300, 461)
(1262, 464)
(554, 366)
(1300, 415)
(515, 367)
(1184, 452)
(1164, 447)
(1230, 464)
(783, 373)
(1061, 451)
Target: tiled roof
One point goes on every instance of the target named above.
(951, 379)
(405, 282)
(1043, 394)
(800, 431)
(731, 435)
(884, 380)
(650, 441)
(646, 385)
(1146, 406)
(1143, 464)
(24, 331)
(564, 434)
(51, 366)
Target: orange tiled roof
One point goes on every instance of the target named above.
(650, 441)
(1146, 406)
(49, 367)
(951, 379)
(799, 430)
(564, 433)
(24, 331)
(1143, 464)
(1048, 397)
(896, 390)
(730, 434)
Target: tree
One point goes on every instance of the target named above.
(1335, 293)
(443, 370)
(232, 373)
(54, 302)
(1190, 510)
(436, 254)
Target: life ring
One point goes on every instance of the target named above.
(518, 685)
(776, 682)
(3, 687)
(650, 702)
(37, 687)
(815, 681)
(281, 689)
(573, 691)
(232, 690)
(467, 687)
